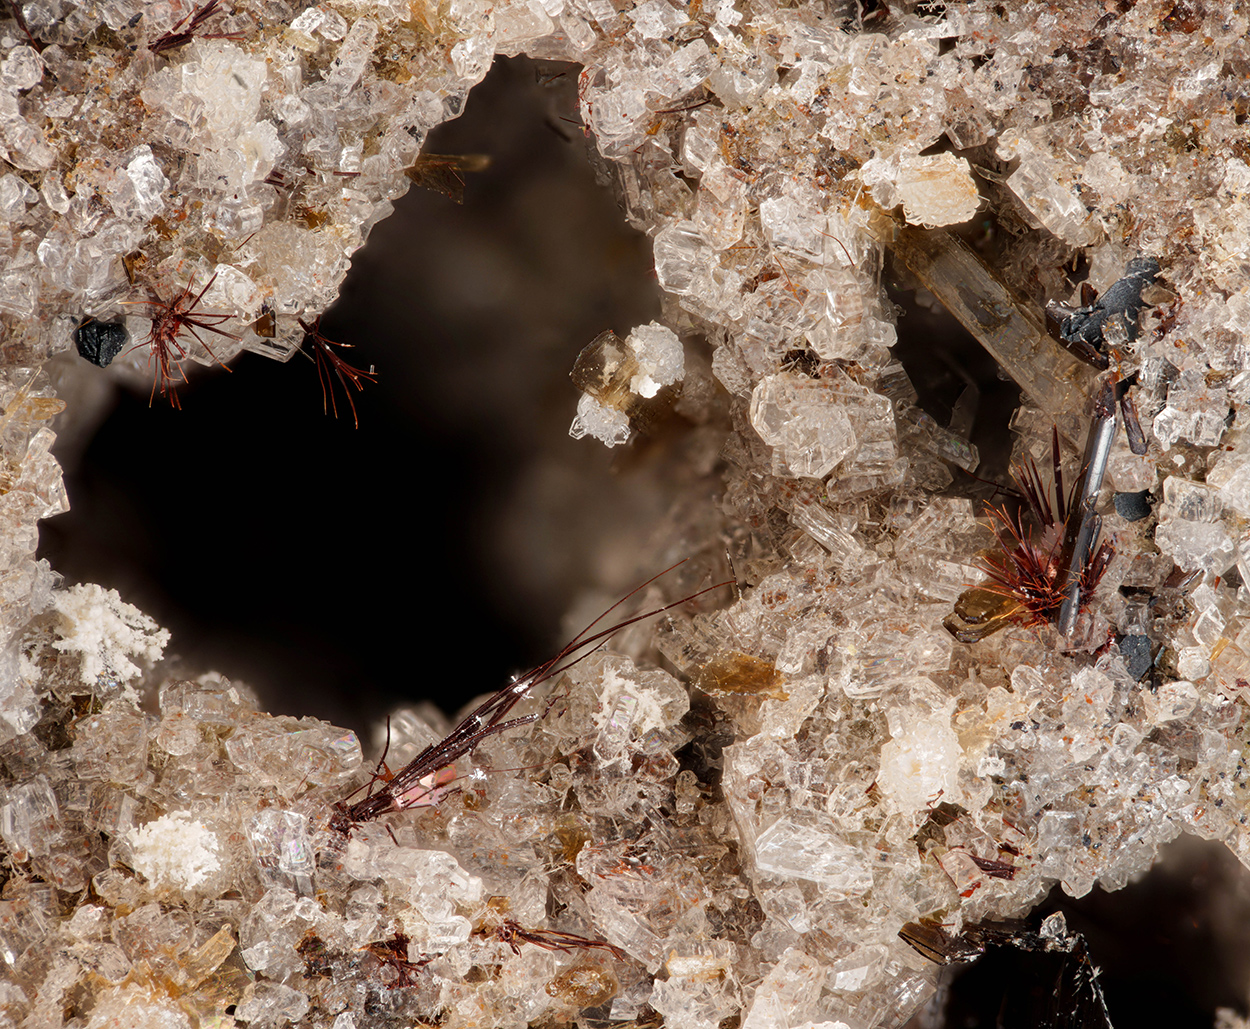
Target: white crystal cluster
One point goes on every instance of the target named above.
(742, 839)
(629, 371)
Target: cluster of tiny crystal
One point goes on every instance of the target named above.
(831, 763)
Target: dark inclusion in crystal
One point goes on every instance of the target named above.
(100, 342)
(1133, 507)
(1121, 302)
(1136, 653)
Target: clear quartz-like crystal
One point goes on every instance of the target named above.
(280, 841)
(681, 256)
(788, 994)
(271, 1004)
(804, 423)
(28, 818)
(813, 853)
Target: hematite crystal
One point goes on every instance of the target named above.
(1133, 507)
(100, 342)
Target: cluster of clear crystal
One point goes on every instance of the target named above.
(831, 764)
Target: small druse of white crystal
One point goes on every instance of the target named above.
(920, 763)
(107, 632)
(661, 360)
(175, 851)
(606, 424)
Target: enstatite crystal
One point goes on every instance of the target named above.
(740, 838)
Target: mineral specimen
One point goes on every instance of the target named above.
(742, 835)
